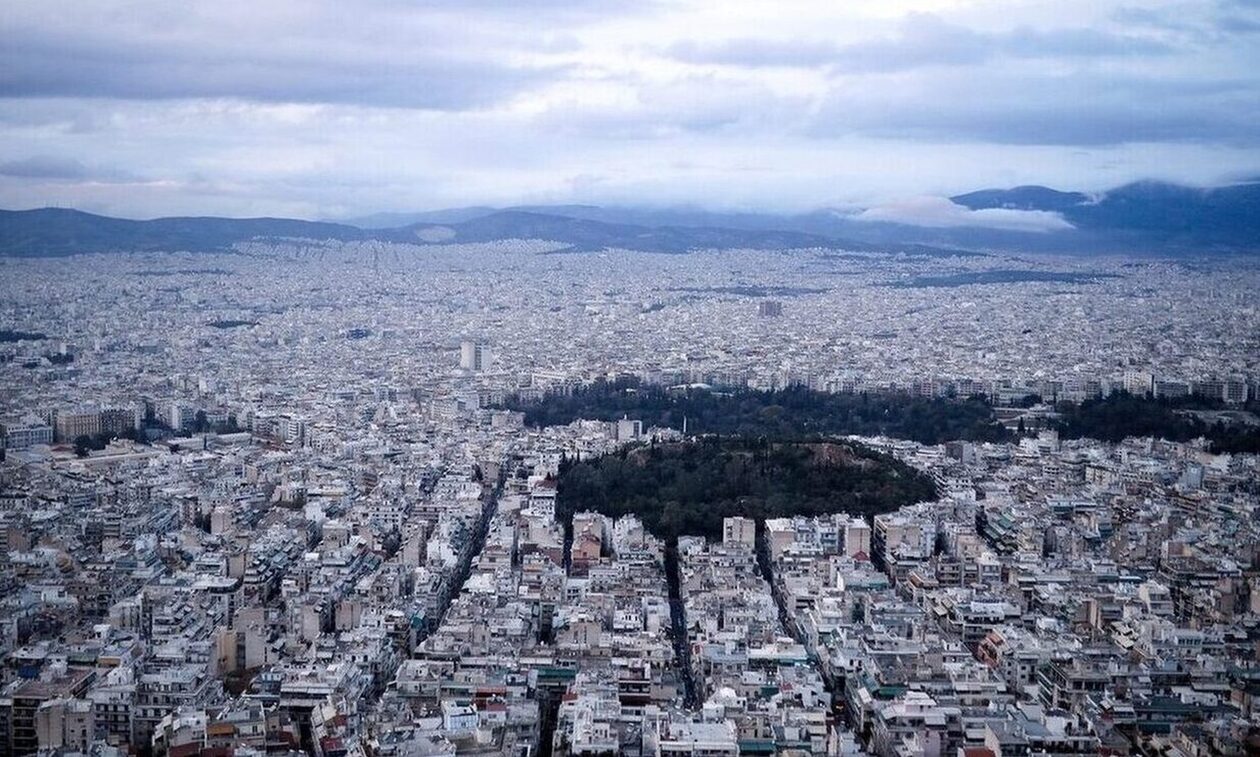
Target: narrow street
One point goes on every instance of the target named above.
(767, 569)
(460, 576)
(678, 617)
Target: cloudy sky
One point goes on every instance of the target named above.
(328, 108)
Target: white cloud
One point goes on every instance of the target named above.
(323, 108)
(942, 213)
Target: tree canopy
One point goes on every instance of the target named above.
(1121, 415)
(792, 413)
(687, 488)
(798, 413)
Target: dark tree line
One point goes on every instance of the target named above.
(800, 413)
(688, 488)
(793, 413)
(1123, 415)
(10, 335)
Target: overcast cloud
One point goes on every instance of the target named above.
(941, 213)
(332, 109)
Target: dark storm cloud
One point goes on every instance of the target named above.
(61, 169)
(44, 167)
(1034, 108)
(1076, 43)
(434, 55)
(1238, 25)
(1218, 22)
(54, 66)
(923, 40)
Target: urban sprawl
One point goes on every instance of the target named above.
(267, 502)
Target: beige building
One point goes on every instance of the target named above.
(65, 725)
(70, 426)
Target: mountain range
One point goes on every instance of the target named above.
(1144, 217)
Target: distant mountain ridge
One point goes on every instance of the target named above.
(586, 235)
(1029, 197)
(1143, 217)
(1170, 216)
(51, 232)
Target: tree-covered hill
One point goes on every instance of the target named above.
(687, 488)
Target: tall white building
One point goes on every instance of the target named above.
(857, 537)
(475, 356)
(739, 531)
(1139, 383)
(629, 430)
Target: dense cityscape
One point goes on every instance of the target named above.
(284, 499)
(657, 378)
